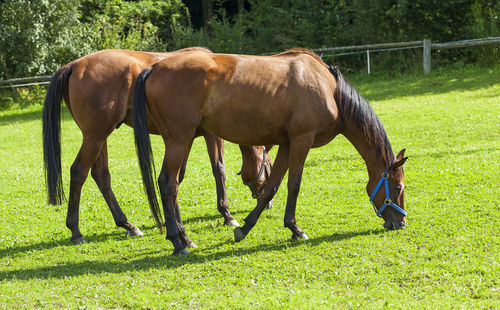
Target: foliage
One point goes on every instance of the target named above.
(37, 36)
(447, 257)
(141, 25)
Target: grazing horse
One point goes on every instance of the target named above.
(292, 99)
(97, 91)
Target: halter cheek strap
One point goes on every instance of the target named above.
(264, 168)
(387, 202)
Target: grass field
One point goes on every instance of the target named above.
(448, 257)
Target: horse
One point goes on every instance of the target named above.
(97, 91)
(292, 99)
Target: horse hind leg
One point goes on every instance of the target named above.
(89, 151)
(100, 174)
(180, 226)
(168, 182)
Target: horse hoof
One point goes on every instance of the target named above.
(134, 232)
(232, 223)
(238, 234)
(191, 245)
(79, 240)
(301, 236)
(182, 252)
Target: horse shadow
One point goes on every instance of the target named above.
(163, 261)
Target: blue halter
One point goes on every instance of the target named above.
(387, 202)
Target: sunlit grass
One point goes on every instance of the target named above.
(446, 258)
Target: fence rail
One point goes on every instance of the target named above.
(426, 45)
(23, 82)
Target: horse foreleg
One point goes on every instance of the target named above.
(299, 148)
(86, 157)
(273, 183)
(215, 148)
(101, 176)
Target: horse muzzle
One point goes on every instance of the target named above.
(391, 224)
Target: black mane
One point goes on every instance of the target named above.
(352, 106)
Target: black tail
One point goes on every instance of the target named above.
(52, 134)
(143, 144)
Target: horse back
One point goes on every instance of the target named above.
(275, 96)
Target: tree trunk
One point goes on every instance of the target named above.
(241, 5)
(207, 11)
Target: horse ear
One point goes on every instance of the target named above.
(399, 162)
(401, 154)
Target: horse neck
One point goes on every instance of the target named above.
(373, 157)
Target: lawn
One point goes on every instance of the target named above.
(446, 258)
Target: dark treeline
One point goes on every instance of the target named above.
(37, 36)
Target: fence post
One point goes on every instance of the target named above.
(368, 60)
(427, 56)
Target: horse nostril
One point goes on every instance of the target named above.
(400, 225)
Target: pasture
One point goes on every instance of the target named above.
(447, 257)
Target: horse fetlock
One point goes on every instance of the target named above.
(291, 224)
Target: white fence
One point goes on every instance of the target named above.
(425, 45)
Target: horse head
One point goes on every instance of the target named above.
(256, 169)
(388, 194)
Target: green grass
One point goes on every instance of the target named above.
(446, 258)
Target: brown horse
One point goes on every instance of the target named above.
(97, 92)
(292, 99)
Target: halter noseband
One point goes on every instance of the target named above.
(263, 168)
(387, 202)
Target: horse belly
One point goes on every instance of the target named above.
(245, 123)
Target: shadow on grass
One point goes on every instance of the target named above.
(20, 116)
(435, 83)
(212, 217)
(118, 235)
(451, 152)
(163, 261)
